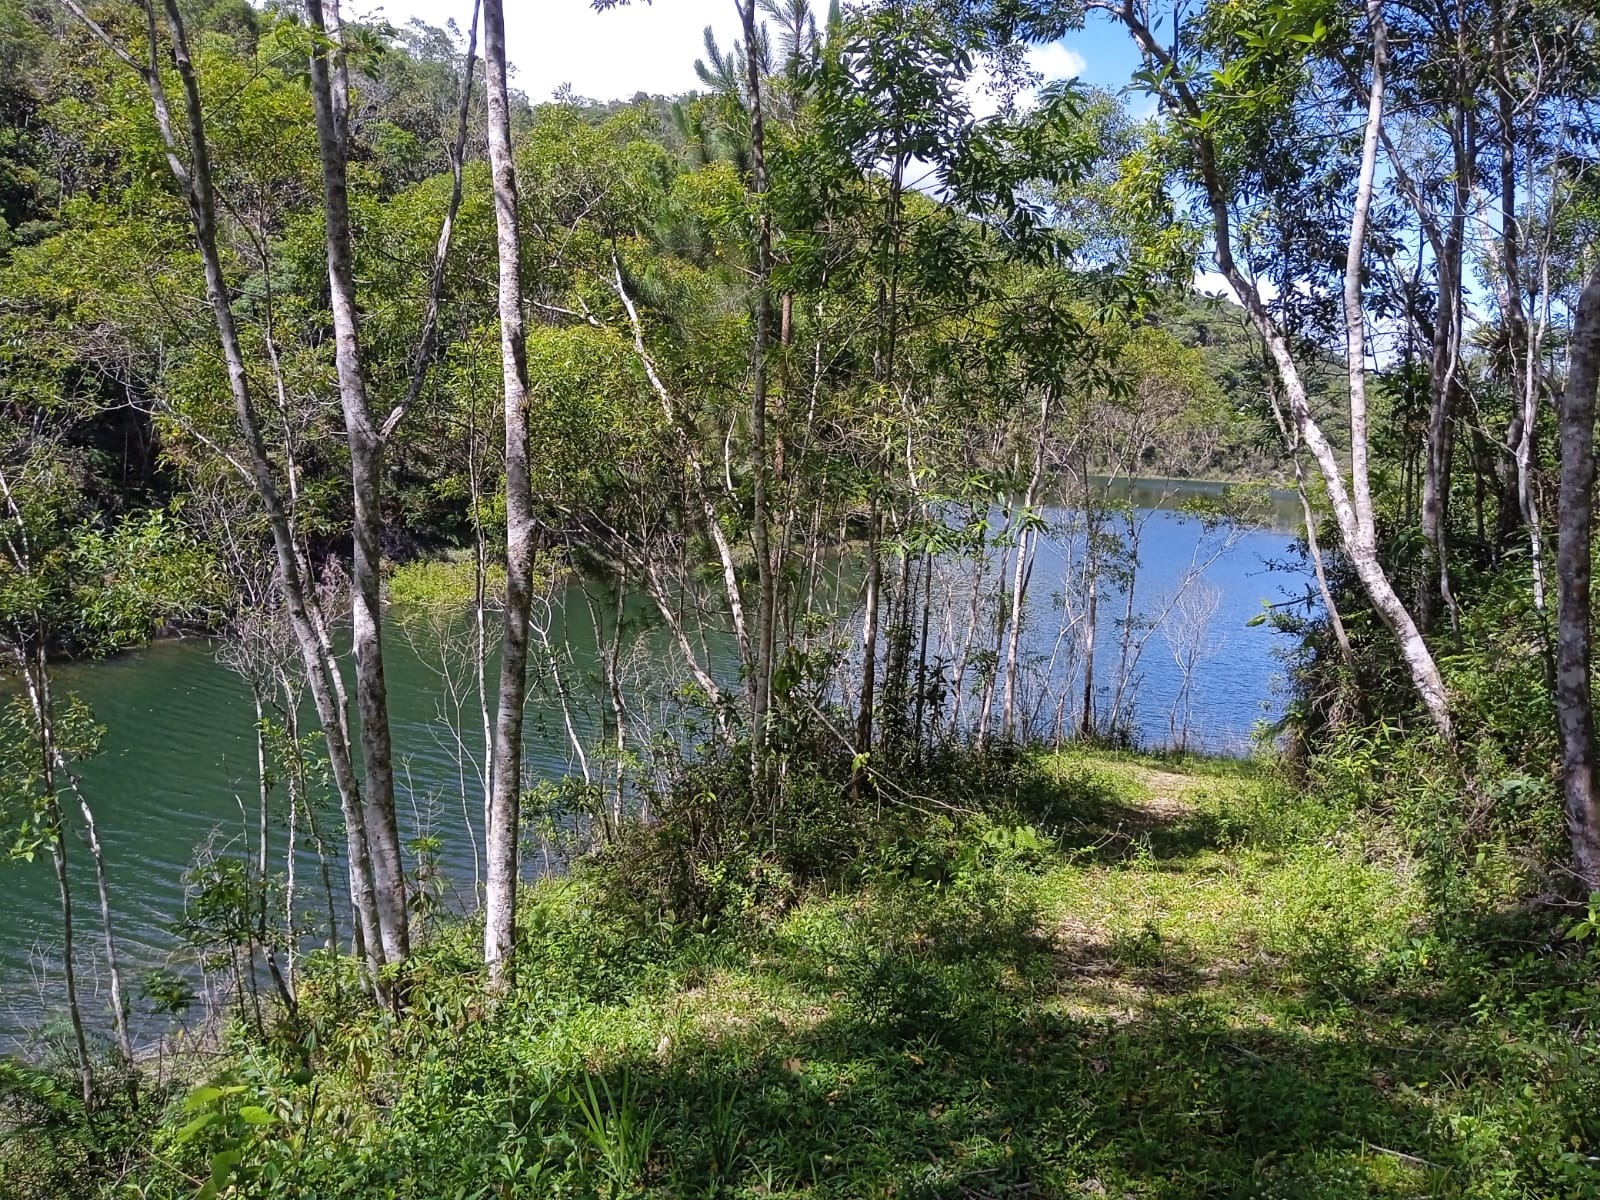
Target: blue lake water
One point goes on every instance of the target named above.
(178, 759)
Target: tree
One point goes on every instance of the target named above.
(1574, 540)
(193, 175)
(500, 899)
(64, 581)
(1191, 639)
(1199, 118)
(331, 101)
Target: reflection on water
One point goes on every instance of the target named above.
(1277, 509)
(178, 758)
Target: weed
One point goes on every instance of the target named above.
(621, 1134)
(1112, 977)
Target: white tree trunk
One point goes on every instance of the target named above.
(1352, 502)
(500, 893)
(366, 478)
(194, 180)
(1021, 571)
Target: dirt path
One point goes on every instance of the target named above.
(1168, 801)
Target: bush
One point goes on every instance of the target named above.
(53, 1146)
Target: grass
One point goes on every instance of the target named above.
(1172, 983)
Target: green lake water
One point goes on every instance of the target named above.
(178, 760)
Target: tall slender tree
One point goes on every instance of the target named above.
(1574, 564)
(1349, 494)
(500, 899)
(192, 173)
(330, 98)
(762, 655)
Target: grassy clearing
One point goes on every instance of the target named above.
(1167, 983)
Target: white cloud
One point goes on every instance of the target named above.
(1214, 283)
(605, 56)
(1056, 60)
(1052, 62)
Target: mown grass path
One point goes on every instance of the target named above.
(1129, 979)
(1172, 999)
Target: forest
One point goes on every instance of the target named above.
(806, 507)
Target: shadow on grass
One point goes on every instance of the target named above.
(1104, 830)
(933, 1043)
(949, 1064)
(954, 1052)
(992, 1097)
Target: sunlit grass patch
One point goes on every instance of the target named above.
(1096, 774)
(1127, 978)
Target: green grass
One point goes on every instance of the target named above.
(1188, 987)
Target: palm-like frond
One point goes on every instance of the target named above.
(722, 72)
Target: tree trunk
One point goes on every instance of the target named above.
(885, 354)
(1352, 505)
(58, 854)
(366, 481)
(1361, 539)
(38, 683)
(1574, 711)
(39, 694)
(1528, 383)
(263, 825)
(1291, 442)
(1087, 726)
(500, 894)
(1126, 658)
(480, 628)
(428, 341)
(991, 677)
(766, 602)
(1444, 385)
(619, 709)
(194, 179)
(958, 673)
(1314, 552)
(922, 651)
(119, 1004)
(300, 794)
(291, 851)
(893, 691)
(1023, 568)
(689, 442)
(869, 639)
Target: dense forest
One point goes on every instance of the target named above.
(865, 879)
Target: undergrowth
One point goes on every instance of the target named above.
(1104, 976)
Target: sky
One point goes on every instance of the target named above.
(652, 47)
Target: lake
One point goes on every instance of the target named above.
(177, 764)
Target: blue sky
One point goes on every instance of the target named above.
(1108, 54)
(652, 47)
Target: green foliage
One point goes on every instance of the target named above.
(233, 1132)
(623, 1139)
(444, 586)
(144, 574)
(55, 1147)
(1194, 986)
(904, 968)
